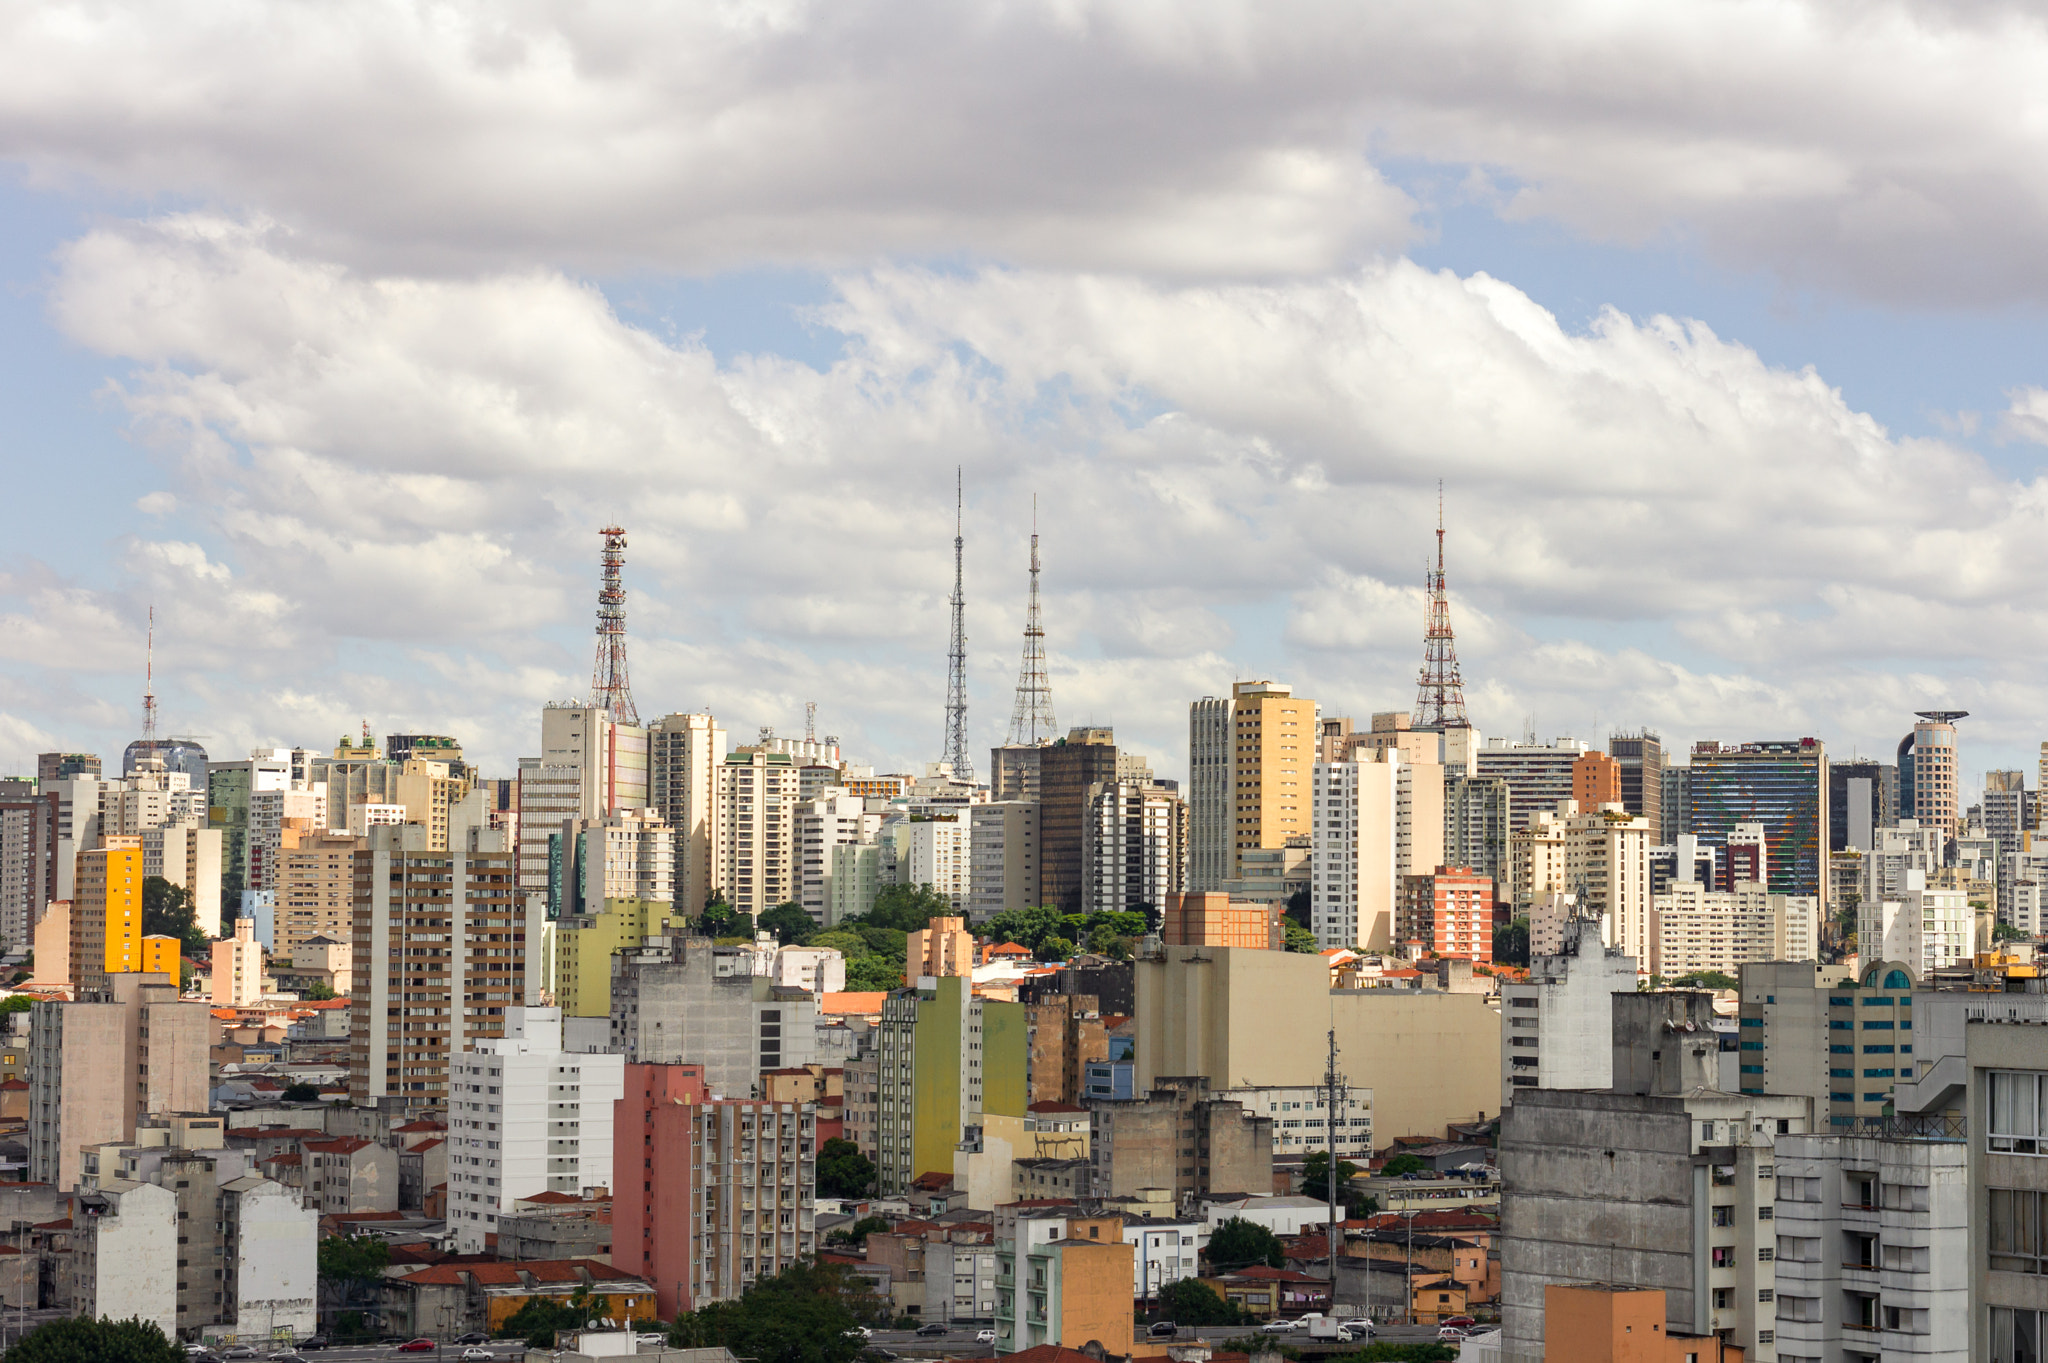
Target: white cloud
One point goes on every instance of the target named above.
(1889, 148)
(387, 489)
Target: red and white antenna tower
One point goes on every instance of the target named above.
(1440, 693)
(149, 694)
(610, 690)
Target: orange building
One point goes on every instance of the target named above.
(1212, 919)
(1596, 781)
(941, 947)
(1598, 1323)
(106, 915)
(1449, 913)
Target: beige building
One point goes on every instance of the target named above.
(316, 887)
(1607, 867)
(238, 968)
(188, 854)
(1430, 1058)
(757, 793)
(941, 947)
(1002, 855)
(1536, 854)
(684, 754)
(97, 1068)
(1702, 929)
(428, 790)
(588, 767)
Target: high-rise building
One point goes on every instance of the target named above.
(1557, 1025)
(316, 887)
(1068, 771)
(1133, 847)
(526, 1117)
(1781, 784)
(1013, 770)
(1375, 819)
(1641, 756)
(1476, 828)
(106, 915)
(238, 968)
(1212, 806)
(1677, 808)
(269, 812)
(1449, 912)
(97, 1066)
(947, 1056)
(686, 997)
(1596, 780)
(1538, 775)
(941, 947)
(685, 752)
(2006, 810)
(443, 943)
(626, 855)
(229, 786)
(28, 864)
(1933, 787)
(824, 823)
(589, 766)
(1862, 798)
(933, 850)
(1002, 857)
(710, 1194)
(1273, 751)
(756, 815)
(188, 854)
(1607, 870)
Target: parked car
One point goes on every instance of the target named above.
(1450, 1334)
(239, 1351)
(473, 1337)
(1162, 1328)
(312, 1342)
(933, 1329)
(416, 1346)
(1462, 1322)
(860, 1332)
(477, 1353)
(1282, 1326)
(651, 1337)
(984, 1336)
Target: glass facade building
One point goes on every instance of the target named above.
(1781, 784)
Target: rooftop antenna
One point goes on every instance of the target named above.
(810, 721)
(1031, 722)
(610, 690)
(1440, 691)
(956, 657)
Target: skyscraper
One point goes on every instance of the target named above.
(684, 753)
(1068, 771)
(1862, 798)
(1212, 851)
(1641, 756)
(1781, 784)
(1930, 754)
(1538, 775)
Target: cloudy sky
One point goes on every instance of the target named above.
(336, 332)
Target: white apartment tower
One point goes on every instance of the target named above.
(756, 827)
(1353, 836)
(833, 820)
(588, 768)
(526, 1117)
(1131, 853)
(933, 850)
(684, 753)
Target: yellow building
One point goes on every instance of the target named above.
(1273, 742)
(583, 951)
(427, 790)
(160, 956)
(106, 914)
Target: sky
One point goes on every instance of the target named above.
(336, 334)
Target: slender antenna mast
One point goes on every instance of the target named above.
(149, 695)
(1440, 691)
(1031, 721)
(956, 658)
(810, 721)
(610, 690)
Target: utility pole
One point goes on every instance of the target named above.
(1335, 1091)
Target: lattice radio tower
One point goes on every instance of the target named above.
(610, 690)
(956, 657)
(1440, 692)
(1032, 721)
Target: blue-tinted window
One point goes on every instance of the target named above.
(1897, 980)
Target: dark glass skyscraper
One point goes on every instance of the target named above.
(1781, 784)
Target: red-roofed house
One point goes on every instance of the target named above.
(452, 1298)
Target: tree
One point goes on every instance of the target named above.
(1115, 948)
(1190, 1301)
(1055, 949)
(804, 1314)
(16, 1003)
(1315, 1174)
(318, 992)
(1402, 1164)
(1104, 924)
(2006, 932)
(884, 941)
(1297, 908)
(908, 908)
(1299, 938)
(874, 972)
(721, 919)
(349, 1266)
(167, 912)
(1026, 927)
(83, 1340)
(1706, 979)
(537, 1321)
(790, 924)
(859, 1231)
(302, 1093)
(843, 1171)
(1511, 943)
(1239, 1243)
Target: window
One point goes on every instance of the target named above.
(1724, 1297)
(2015, 1234)
(2016, 1335)
(1724, 1216)
(2012, 1121)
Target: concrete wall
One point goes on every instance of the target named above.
(277, 1271)
(1430, 1058)
(126, 1259)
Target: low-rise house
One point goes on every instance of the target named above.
(450, 1299)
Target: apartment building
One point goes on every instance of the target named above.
(757, 796)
